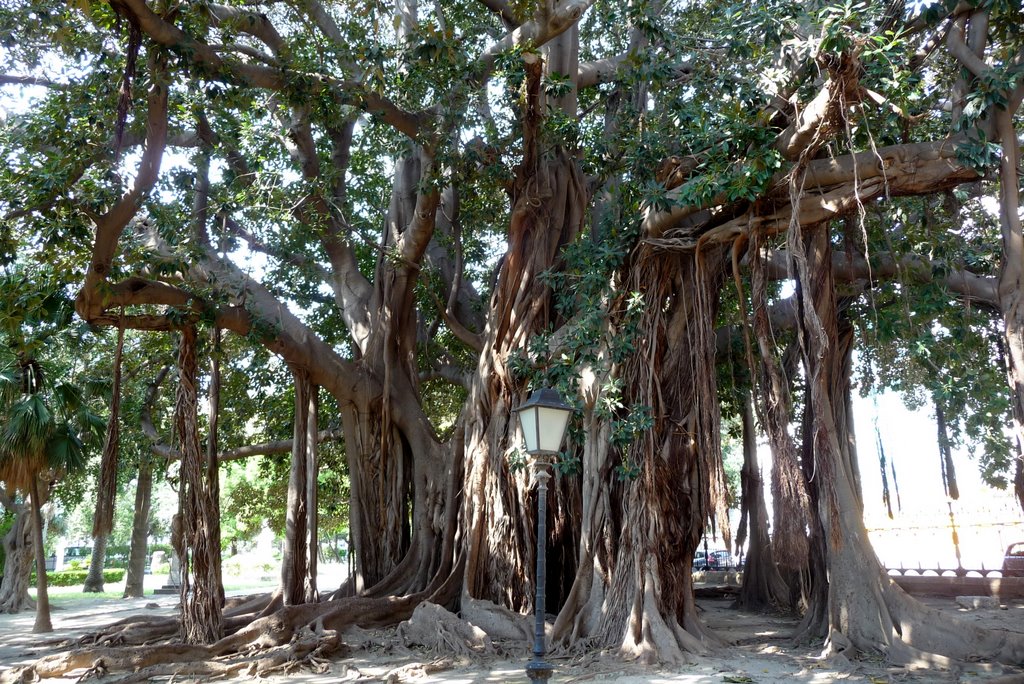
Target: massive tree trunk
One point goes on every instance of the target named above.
(18, 559)
(867, 611)
(763, 585)
(94, 580)
(136, 575)
(201, 593)
(547, 212)
(635, 588)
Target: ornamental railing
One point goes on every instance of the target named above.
(921, 571)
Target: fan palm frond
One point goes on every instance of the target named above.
(28, 426)
(10, 385)
(64, 450)
(68, 397)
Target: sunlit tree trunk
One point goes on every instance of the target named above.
(298, 564)
(94, 579)
(134, 584)
(762, 584)
(42, 622)
(201, 597)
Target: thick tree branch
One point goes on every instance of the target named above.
(502, 9)
(111, 225)
(957, 46)
(448, 373)
(910, 169)
(811, 124)
(11, 79)
(203, 55)
(253, 23)
(884, 267)
(282, 446)
(608, 69)
(533, 33)
(324, 21)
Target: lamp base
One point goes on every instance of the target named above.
(538, 670)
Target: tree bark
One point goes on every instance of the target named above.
(94, 580)
(106, 486)
(867, 611)
(19, 557)
(547, 212)
(809, 589)
(789, 490)
(134, 586)
(946, 455)
(1011, 273)
(763, 585)
(42, 622)
(201, 594)
(298, 564)
(211, 474)
(1018, 479)
(634, 590)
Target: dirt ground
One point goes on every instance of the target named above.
(761, 652)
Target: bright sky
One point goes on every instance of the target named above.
(988, 520)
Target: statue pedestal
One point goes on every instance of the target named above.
(173, 585)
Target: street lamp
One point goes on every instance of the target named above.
(543, 418)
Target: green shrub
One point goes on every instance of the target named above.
(69, 578)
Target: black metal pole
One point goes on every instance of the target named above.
(537, 669)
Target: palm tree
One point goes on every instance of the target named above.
(34, 446)
(40, 422)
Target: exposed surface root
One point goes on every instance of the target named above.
(293, 637)
(439, 631)
(499, 622)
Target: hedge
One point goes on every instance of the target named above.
(69, 578)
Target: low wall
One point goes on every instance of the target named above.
(1002, 587)
(718, 577)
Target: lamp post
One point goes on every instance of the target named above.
(543, 419)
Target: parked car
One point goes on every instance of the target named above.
(715, 560)
(1013, 561)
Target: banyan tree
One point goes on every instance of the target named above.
(471, 199)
